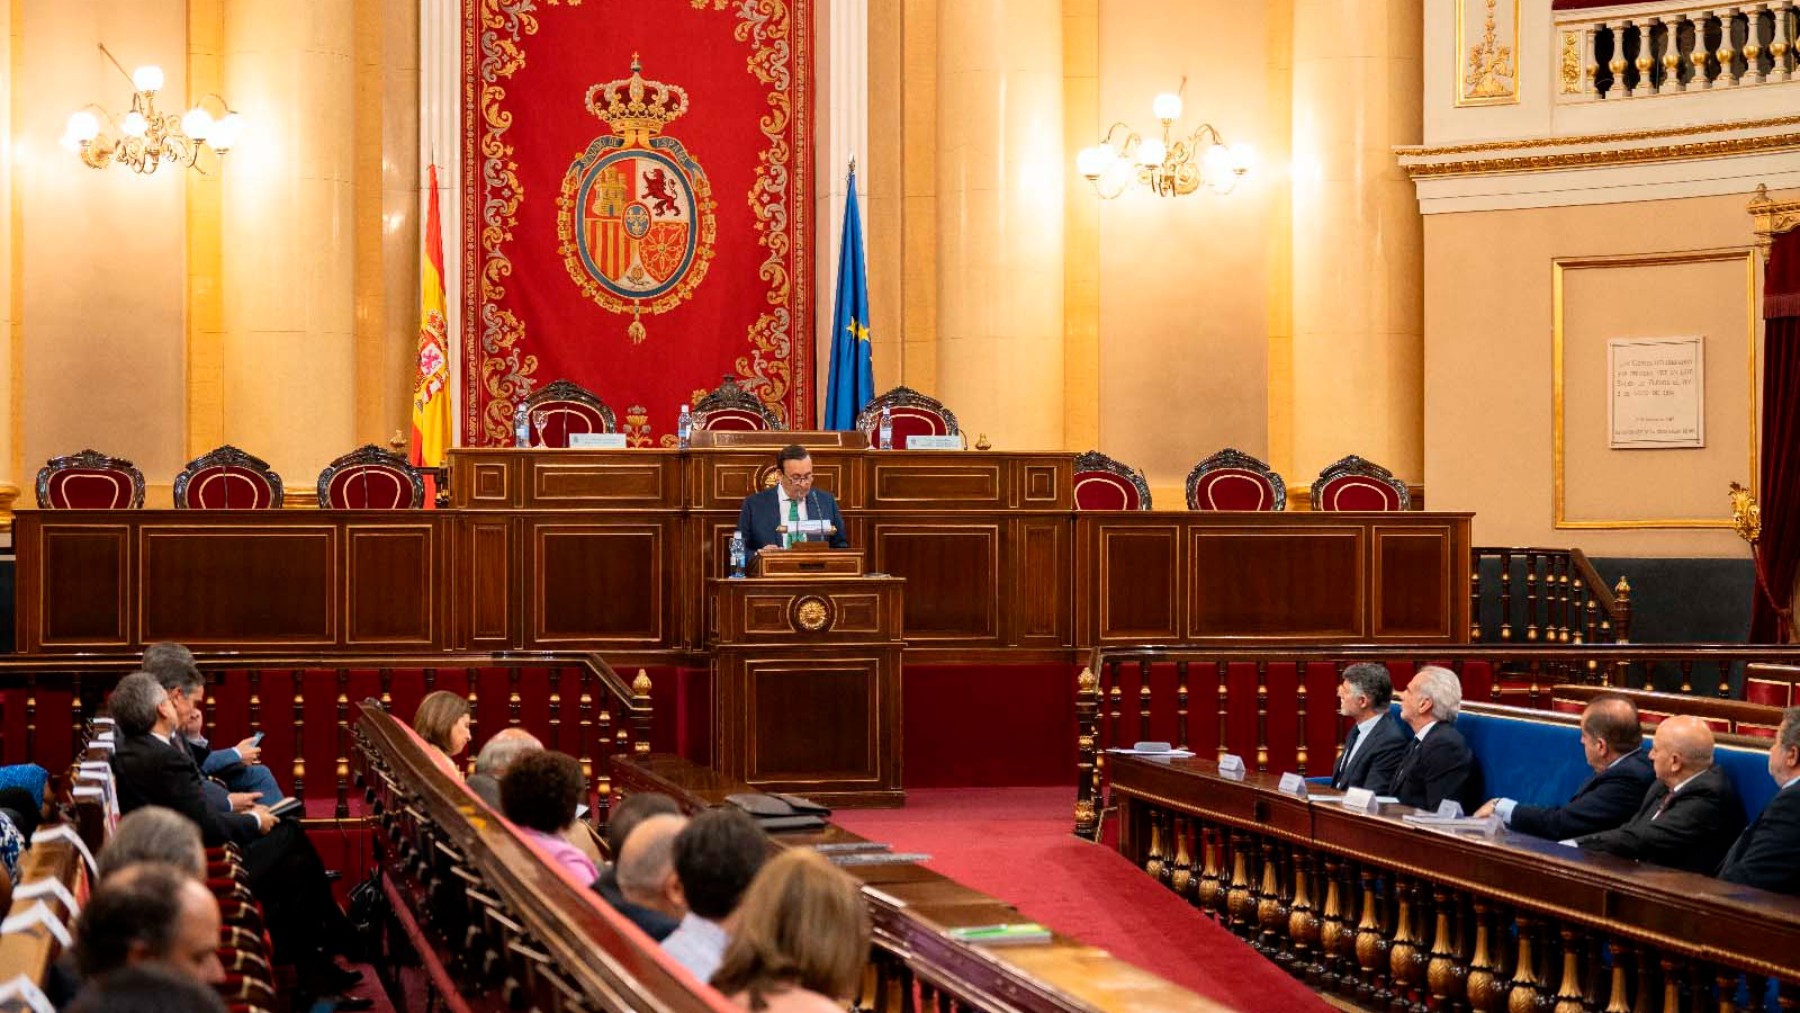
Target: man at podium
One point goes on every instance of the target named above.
(774, 517)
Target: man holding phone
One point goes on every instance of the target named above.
(238, 768)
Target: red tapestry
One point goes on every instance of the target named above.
(636, 206)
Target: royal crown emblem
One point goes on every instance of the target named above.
(635, 218)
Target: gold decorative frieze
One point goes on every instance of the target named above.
(1569, 64)
(1487, 40)
(1547, 154)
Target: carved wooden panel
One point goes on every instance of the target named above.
(856, 613)
(489, 481)
(1138, 586)
(594, 583)
(1301, 583)
(489, 581)
(390, 573)
(85, 585)
(937, 482)
(766, 614)
(239, 585)
(1041, 585)
(1046, 484)
(724, 479)
(604, 481)
(1415, 588)
(952, 572)
(791, 701)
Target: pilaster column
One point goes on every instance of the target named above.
(843, 116)
(1000, 203)
(1358, 347)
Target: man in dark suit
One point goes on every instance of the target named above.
(792, 500)
(1437, 764)
(1613, 740)
(285, 872)
(1376, 742)
(1690, 816)
(1767, 854)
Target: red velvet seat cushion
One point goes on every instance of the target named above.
(560, 419)
(1768, 692)
(909, 421)
(1233, 489)
(734, 420)
(370, 487)
(90, 489)
(1355, 493)
(222, 488)
(1103, 490)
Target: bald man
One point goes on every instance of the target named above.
(150, 912)
(507, 745)
(644, 886)
(1690, 817)
(1612, 740)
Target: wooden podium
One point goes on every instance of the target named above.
(806, 677)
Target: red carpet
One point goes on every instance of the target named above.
(1015, 844)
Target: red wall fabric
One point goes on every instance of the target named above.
(575, 199)
(1779, 483)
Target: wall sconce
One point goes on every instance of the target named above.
(1167, 166)
(144, 138)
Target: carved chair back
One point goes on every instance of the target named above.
(912, 414)
(1102, 483)
(1356, 484)
(89, 480)
(562, 408)
(370, 478)
(227, 479)
(731, 407)
(1233, 480)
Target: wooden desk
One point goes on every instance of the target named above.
(1374, 907)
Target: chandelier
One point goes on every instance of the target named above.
(145, 138)
(1168, 166)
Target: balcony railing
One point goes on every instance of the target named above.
(1631, 51)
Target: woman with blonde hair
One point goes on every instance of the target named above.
(443, 721)
(801, 941)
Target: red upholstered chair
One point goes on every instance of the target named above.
(227, 479)
(1102, 483)
(730, 407)
(912, 413)
(1356, 484)
(370, 478)
(1233, 480)
(89, 481)
(562, 408)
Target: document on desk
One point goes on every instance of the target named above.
(1489, 825)
(1167, 754)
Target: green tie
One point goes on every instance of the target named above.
(793, 522)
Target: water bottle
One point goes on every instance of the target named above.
(737, 554)
(521, 428)
(887, 428)
(684, 427)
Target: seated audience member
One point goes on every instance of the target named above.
(624, 818)
(539, 794)
(1437, 764)
(643, 886)
(1376, 743)
(150, 912)
(495, 758)
(716, 857)
(19, 815)
(240, 767)
(1690, 816)
(146, 988)
(285, 872)
(1767, 854)
(443, 721)
(1613, 742)
(802, 938)
(154, 834)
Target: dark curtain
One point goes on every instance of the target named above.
(1779, 482)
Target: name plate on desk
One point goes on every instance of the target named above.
(1449, 809)
(1292, 784)
(1361, 800)
(1231, 767)
(596, 441)
(921, 441)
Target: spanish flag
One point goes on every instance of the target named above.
(431, 396)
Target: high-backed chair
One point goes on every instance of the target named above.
(227, 479)
(1356, 484)
(89, 480)
(1233, 480)
(370, 478)
(912, 414)
(561, 408)
(1102, 483)
(730, 407)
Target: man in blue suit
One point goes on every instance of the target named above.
(1613, 740)
(791, 501)
(1764, 854)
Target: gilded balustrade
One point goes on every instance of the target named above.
(1642, 50)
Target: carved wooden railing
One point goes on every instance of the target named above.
(1390, 916)
(1639, 50)
(1544, 596)
(587, 709)
(1254, 703)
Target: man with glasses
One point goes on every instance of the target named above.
(773, 517)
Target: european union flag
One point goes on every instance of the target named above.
(852, 364)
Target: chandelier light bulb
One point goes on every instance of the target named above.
(1166, 107)
(134, 124)
(84, 127)
(1091, 162)
(148, 78)
(1243, 157)
(197, 123)
(1151, 151)
(223, 134)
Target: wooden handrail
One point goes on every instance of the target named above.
(1564, 599)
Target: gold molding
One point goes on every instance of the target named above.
(1770, 218)
(1609, 157)
(1558, 267)
(1578, 139)
(1488, 59)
